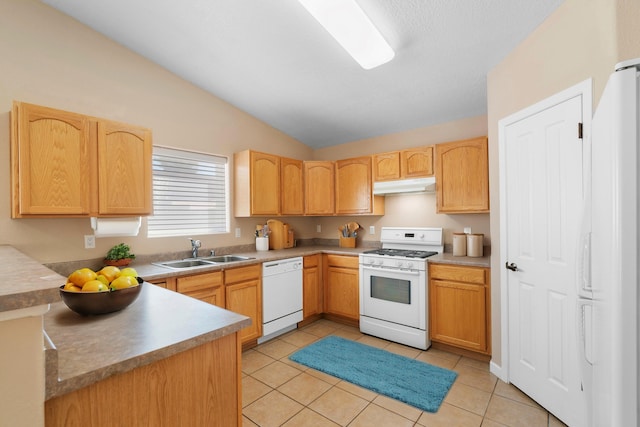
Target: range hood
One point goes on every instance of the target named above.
(417, 185)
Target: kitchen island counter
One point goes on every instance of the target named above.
(159, 324)
(25, 282)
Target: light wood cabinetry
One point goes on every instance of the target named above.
(341, 286)
(405, 164)
(65, 164)
(416, 162)
(167, 283)
(312, 286)
(243, 295)
(256, 184)
(291, 186)
(319, 195)
(207, 287)
(462, 176)
(354, 188)
(459, 306)
(125, 188)
(156, 394)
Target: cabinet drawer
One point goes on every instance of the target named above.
(342, 261)
(241, 274)
(199, 281)
(311, 261)
(477, 275)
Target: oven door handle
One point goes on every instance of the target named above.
(387, 270)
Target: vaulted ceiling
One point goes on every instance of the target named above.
(271, 59)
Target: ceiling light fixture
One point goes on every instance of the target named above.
(351, 27)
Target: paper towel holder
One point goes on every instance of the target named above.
(113, 227)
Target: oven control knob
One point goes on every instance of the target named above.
(409, 265)
(399, 264)
(370, 261)
(380, 262)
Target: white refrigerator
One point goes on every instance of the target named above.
(608, 274)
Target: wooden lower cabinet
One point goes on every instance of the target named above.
(341, 286)
(243, 295)
(197, 387)
(459, 306)
(312, 286)
(207, 287)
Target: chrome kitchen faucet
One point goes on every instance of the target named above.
(195, 245)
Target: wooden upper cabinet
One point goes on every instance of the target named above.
(386, 166)
(462, 176)
(354, 188)
(319, 193)
(257, 184)
(416, 162)
(291, 186)
(410, 163)
(125, 186)
(55, 163)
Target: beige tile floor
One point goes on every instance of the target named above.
(279, 392)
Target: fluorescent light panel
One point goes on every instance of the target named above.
(349, 25)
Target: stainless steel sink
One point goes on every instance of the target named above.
(226, 258)
(201, 262)
(185, 263)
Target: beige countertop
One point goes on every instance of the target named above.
(25, 282)
(159, 324)
(153, 272)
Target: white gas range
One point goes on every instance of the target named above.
(394, 285)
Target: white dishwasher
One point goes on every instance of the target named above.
(281, 297)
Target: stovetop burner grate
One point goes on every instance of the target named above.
(406, 253)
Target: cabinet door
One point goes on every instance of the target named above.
(124, 169)
(311, 285)
(292, 187)
(245, 298)
(342, 287)
(354, 192)
(417, 162)
(457, 314)
(319, 188)
(265, 184)
(386, 166)
(243, 294)
(52, 160)
(462, 176)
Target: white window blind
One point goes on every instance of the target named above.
(190, 194)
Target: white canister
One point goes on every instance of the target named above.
(262, 243)
(474, 245)
(459, 244)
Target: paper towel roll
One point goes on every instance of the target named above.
(111, 227)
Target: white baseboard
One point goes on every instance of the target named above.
(497, 370)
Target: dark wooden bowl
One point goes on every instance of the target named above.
(91, 303)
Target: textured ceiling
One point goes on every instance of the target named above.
(271, 59)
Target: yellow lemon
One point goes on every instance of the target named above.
(103, 279)
(94, 286)
(111, 272)
(129, 272)
(82, 276)
(69, 286)
(123, 282)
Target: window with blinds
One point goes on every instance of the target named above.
(190, 194)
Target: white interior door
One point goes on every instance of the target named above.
(543, 160)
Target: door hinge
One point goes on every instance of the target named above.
(580, 130)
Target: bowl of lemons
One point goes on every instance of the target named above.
(111, 289)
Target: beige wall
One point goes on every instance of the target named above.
(579, 41)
